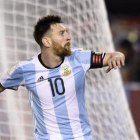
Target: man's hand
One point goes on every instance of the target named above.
(1, 88)
(114, 60)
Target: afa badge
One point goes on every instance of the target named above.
(65, 70)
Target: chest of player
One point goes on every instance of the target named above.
(55, 83)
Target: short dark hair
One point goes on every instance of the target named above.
(43, 26)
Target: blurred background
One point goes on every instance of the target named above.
(124, 19)
(90, 25)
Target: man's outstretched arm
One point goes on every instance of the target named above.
(1, 88)
(113, 60)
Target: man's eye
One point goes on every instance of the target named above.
(62, 33)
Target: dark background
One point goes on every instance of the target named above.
(117, 7)
(124, 19)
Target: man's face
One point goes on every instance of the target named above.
(60, 40)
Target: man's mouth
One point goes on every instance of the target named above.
(67, 45)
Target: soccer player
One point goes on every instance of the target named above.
(55, 80)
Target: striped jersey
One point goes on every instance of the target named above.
(56, 95)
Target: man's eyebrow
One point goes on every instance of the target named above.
(64, 30)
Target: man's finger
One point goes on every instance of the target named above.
(108, 70)
(118, 64)
(114, 64)
(110, 64)
(122, 61)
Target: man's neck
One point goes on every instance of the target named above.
(50, 60)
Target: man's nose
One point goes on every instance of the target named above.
(68, 37)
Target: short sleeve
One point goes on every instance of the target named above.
(84, 57)
(13, 78)
(90, 59)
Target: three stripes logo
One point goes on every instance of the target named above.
(40, 79)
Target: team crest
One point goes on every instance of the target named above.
(65, 70)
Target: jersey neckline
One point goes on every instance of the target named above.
(39, 58)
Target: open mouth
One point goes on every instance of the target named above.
(67, 45)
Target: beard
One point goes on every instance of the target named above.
(61, 51)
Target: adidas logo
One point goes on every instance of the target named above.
(40, 79)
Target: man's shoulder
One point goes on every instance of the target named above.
(31, 60)
(20, 64)
(75, 49)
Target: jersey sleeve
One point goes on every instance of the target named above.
(13, 78)
(90, 59)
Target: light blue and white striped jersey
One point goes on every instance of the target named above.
(56, 95)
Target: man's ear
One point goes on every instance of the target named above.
(46, 41)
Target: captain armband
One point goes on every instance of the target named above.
(97, 59)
